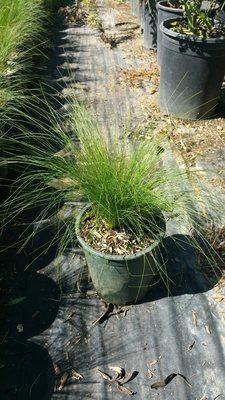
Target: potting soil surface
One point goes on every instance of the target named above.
(180, 332)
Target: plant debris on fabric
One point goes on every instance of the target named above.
(136, 77)
(164, 382)
(112, 241)
(119, 379)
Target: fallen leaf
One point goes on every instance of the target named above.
(125, 390)
(119, 381)
(119, 371)
(69, 317)
(167, 380)
(153, 362)
(104, 315)
(105, 376)
(129, 377)
(63, 380)
(208, 329)
(195, 318)
(190, 347)
(75, 375)
(56, 369)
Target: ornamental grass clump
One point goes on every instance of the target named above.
(128, 187)
(22, 32)
(21, 25)
(126, 184)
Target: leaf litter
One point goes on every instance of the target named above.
(119, 379)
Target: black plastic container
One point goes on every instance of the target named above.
(192, 72)
(150, 24)
(164, 13)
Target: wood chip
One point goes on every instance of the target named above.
(153, 362)
(104, 316)
(69, 317)
(195, 318)
(63, 381)
(56, 369)
(105, 376)
(208, 329)
(75, 375)
(124, 389)
(120, 379)
(151, 373)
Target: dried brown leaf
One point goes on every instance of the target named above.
(207, 328)
(105, 376)
(63, 380)
(195, 317)
(75, 375)
(129, 377)
(120, 372)
(56, 369)
(153, 362)
(124, 389)
(167, 380)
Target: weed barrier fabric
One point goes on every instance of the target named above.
(167, 334)
(163, 336)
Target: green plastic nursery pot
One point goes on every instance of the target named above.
(121, 279)
(192, 72)
(164, 12)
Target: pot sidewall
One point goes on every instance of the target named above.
(164, 13)
(192, 71)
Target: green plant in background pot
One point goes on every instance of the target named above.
(193, 62)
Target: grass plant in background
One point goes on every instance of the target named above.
(22, 31)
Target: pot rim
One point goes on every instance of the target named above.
(188, 38)
(160, 5)
(107, 256)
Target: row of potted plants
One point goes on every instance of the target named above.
(191, 54)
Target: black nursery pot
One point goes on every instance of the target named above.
(164, 12)
(192, 72)
(150, 24)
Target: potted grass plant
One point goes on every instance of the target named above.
(126, 190)
(193, 62)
